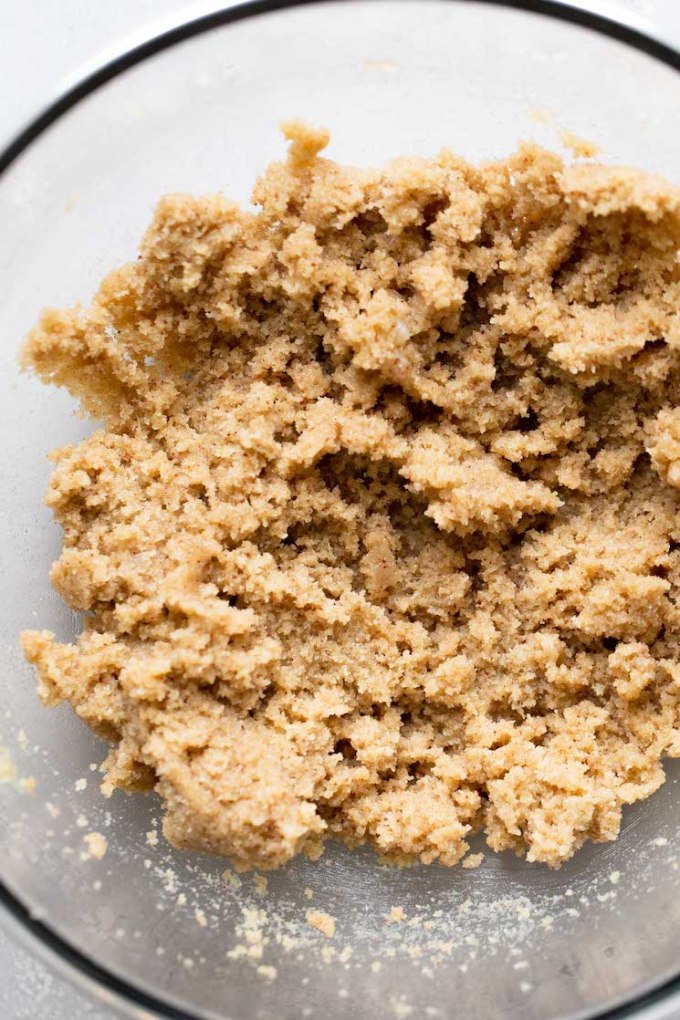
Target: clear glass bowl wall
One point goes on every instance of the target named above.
(509, 939)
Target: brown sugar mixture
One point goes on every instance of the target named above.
(380, 537)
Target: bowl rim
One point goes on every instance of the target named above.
(83, 971)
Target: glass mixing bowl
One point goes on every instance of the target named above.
(166, 933)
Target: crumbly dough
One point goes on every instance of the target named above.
(325, 923)
(379, 538)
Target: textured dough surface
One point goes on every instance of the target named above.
(379, 538)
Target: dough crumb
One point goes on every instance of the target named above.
(325, 923)
(580, 147)
(8, 772)
(261, 884)
(97, 846)
(395, 915)
(472, 860)
(306, 142)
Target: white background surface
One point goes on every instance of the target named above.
(45, 45)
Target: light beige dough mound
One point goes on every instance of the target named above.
(379, 539)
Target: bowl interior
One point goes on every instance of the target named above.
(388, 78)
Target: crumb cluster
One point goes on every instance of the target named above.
(380, 536)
